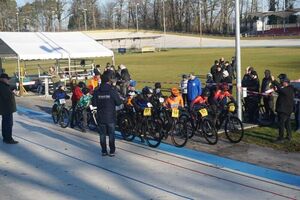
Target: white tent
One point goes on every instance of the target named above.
(51, 46)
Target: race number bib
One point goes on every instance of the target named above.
(203, 112)
(147, 112)
(175, 112)
(231, 107)
(62, 101)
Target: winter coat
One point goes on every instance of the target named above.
(285, 100)
(7, 99)
(106, 99)
(194, 89)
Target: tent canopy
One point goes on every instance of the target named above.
(45, 45)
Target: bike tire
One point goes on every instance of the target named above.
(179, 134)
(64, 118)
(234, 129)
(91, 122)
(126, 127)
(190, 127)
(151, 131)
(209, 131)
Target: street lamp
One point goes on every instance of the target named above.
(18, 23)
(200, 22)
(164, 18)
(85, 24)
(238, 58)
(136, 15)
(53, 28)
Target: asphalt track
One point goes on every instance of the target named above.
(55, 163)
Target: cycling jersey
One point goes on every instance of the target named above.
(199, 100)
(219, 95)
(174, 102)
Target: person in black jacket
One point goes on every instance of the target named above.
(284, 107)
(218, 76)
(106, 99)
(7, 108)
(125, 80)
(268, 100)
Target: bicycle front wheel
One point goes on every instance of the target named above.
(126, 127)
(152, 132)
(179, 134)
(64, 118)
(234, 129)
(54, 114)
(209, 131)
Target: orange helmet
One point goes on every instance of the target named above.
(175, 92)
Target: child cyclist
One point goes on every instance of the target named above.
(174, 100)
(83, 104)
(59, 94)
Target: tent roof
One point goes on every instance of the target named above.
(44, 45)
(282, 13)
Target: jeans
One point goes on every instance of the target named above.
(107, 129)
(7, 124)
(297, 116)
(284, 122)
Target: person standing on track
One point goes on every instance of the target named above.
(7, 108)
(106, 98)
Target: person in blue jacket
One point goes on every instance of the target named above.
(193, 88)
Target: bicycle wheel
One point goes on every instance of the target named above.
(79, 118)
(190, 128)
(54, 114)
(179, 134)
(151, 130)
(234, 129)
(64, 118)
(91, 122)
(126, 127)
(209, 131)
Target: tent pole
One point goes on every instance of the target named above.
(20, 79)
(113, 60)
(70, 74)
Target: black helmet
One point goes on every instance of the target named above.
(205, 93)
(147, 90)
(81, 84)
(282, 76)
(157, 85)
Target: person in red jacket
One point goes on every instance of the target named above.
(77, 94)
(200, 100)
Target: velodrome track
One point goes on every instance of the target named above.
(54, 163)
(181, 41)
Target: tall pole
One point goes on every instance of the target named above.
(164, 18)
(200, 22)
(85, 24)
(238, 58)
(136, 16)
(18, 23)
(53, 28)
(113, 18)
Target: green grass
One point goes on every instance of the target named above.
(169, 65)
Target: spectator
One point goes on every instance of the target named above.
(83, 103)
(183, 88)
(97, 70)
(106, 99)
(227, 79)
(213, 68)
(7, 108)
(229, 68)
(297, 111)
(284, 107)
(218, 76)
(222, 62)
(125, 79)
(210, 83)
(55, 78)
(193, 88)
(94, 82)
(268, 100)
(252, 100)
(77, 94)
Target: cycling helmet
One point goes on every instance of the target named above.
(209, 75)
(224, 87)
(147, 90)
(175, 91)
(81, 84)
(205, 93)
(282, 76)
(157, 85)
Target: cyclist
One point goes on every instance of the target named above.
(58, 94)
(140, 102)
(175, 100)
(158, 97)
(222, 95)
(77, 94)
(83, 104)
(200, 100)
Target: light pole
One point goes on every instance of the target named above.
(18, 23)
(164, 16)
(238, 58)
(200, 22)
(136, 16)
(85, 24)
(53, 28)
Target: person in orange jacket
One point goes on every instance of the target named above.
(175, 100)
(94, 82)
